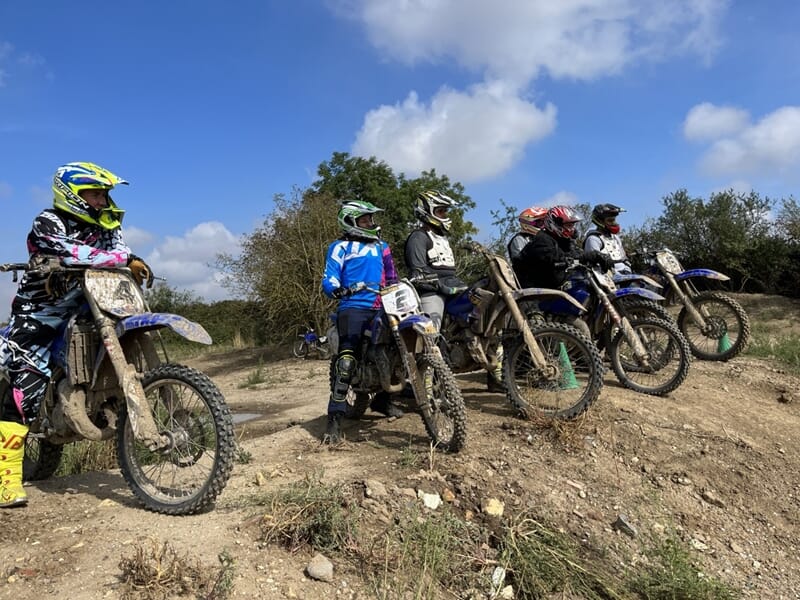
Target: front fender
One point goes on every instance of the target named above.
(147, 321)
(625, 279)
(643, 292)
(707, 273)
(545, 294)
(419, 323)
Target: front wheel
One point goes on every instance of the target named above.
(442, 408)
(324, 350)
(186, 476)
(566, 385)
(300, 349)
(727, 329)
(665, 364)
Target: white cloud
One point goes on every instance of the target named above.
(468, 136)
(739, 186)
(136, 238)
(769, 146)
(515, 40)
(560, 198)
(187, 262)
(480, 133)
(708, 122)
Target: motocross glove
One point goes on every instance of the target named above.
(140, 270)
(341, 292)
(57, 284)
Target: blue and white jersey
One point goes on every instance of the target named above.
(349, 262)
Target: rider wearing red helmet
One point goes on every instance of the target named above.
(531, 221)
(542, 262)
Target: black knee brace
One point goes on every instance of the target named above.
(344, 370)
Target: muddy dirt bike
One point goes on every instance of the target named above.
(647, 354)
(715, 325)
(174, 434)
(311, 344)
(399, 346)
(549, 369)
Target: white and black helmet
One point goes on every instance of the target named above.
(429, 203)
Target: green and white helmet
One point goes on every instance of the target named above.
(351, 211)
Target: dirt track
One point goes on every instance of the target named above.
(716, 461)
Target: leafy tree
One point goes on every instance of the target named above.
(282, 261)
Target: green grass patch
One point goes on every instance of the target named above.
(86, 456)
(769, 344)
(673, 575)
(308, 513)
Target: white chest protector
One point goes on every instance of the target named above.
(612, 245)
(441, 255)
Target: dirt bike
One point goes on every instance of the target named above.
(715, 325)
(399, 346)
(311, 343)
(647, 354)
(174, 433)
(549, 369)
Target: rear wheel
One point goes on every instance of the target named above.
(568, 384)
(42, 458)
(666, 362)
(727, 329)
(442, 408)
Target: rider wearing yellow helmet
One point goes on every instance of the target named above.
(82, 229)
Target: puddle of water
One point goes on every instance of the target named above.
(243, 417)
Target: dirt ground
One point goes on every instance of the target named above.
(716, 461)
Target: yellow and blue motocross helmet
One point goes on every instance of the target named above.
(72, 178)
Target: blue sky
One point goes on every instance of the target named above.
(209, 108)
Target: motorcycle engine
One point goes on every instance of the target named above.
(459, 356)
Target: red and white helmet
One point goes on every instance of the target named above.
(531, 220)
(561, 221)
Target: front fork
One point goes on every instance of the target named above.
(686, 300)
(141, 419)
(622, 321)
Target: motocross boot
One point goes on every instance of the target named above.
(383, 404)
(12, 449)
(494, 383)
(333, 431)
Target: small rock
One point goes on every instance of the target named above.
(432, 501)
(507, 593)
(261, 480)
(698, 545)
(448, 495)
(712, 498)
(736, 548)
(320, 568)
(374, 489)
(623, 526)
(492, 507)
